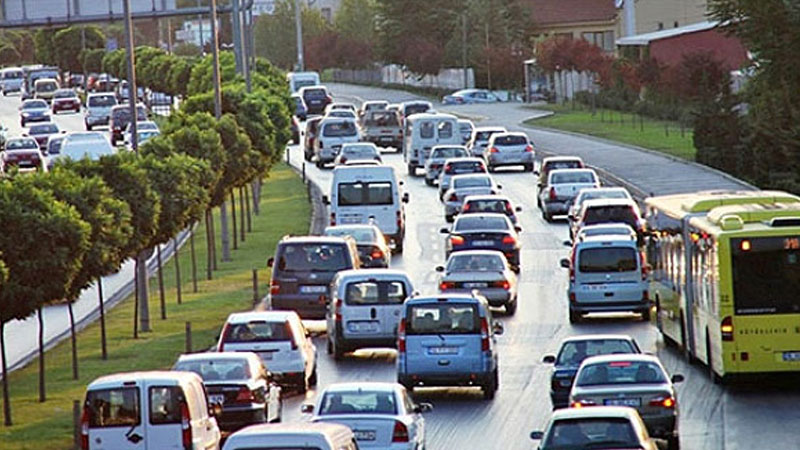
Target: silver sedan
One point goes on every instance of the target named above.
(463, 186)
(485, 270)
(440, 154)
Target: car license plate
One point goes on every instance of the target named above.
(312, 289)
(266, 356)
(218, 398)
(483, 243)
(364, 435)
(633, 402)
(386, 138)
(348, 220)
(475, 285)
(443, 350)
(594, 287)
(362, 326)
(791, 356)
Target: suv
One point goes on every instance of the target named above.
(98, 109)
(333, 132)
(480, 139)
(606, 210)
(121, 117)
(280, 339)
(365, 308)
(303, 268)
(448, 340)
(316, 99)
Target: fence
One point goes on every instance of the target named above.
(394, 74)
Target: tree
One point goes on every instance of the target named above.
(355, 20)
(71, 41)
(45, 47)
(187, 49)
(278, 29)
(202, 78)
(9, 55)
(41, 235)
(92, 59)
(22, 41)
(179, 75)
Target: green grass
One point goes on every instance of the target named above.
(284, 209)
(662, 136)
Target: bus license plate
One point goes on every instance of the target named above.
(364, 435)
(791, 356)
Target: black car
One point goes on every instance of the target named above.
(303, 268)
(572, 353)
(300, 110)
(121, 117)
(316, 99)
(373, 250)
(489, 231)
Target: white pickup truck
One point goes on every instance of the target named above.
(562, 187)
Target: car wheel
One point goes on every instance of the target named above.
(428, 181)
(338, 351)
(645, 315)
(330, 346)
(538, 202)
(528, 167)
(412, 170)
(279, 417)
(312, 380)
(673, 443)
(398, 246)
(574, 316)
(88, 127)
(448, 218)
(546, 216)
(511, 307)
(319, 164)
(490, 387)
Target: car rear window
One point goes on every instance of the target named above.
(116, 407)
(604, 432)
(449, 152)
(471, 182)
(360, 234)
(358, 402)
(352, 194)
(620, 372)
(360, 151)
(574, 352)
(64, 94)
(383, 119)
(468, 223)
(445, 130)
(165, 405)
(572, 177)
(217, 369)
(315, 93)
(611, 213)
(607, 259)
(510, 140)
(339, 129)
(553, 165)
(415, 109)
(485, 135)
(257, 331)
(443, 318)
(459, 167)
(12, 75)
(427, 129)
(102, 100)
(488, 206)
(375, 292)
(475, 263)
(313, 257)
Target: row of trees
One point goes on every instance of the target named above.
(65, 229)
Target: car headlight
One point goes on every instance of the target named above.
(26, 114)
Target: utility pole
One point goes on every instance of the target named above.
(244, 43)
(464, 48)
(237, 36)
(226, 247)
(488, 59)
(200, 24)
(299, 27)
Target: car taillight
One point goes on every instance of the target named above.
(333, 219)
(645, 295)
(572, 265)
(400, 433)
(664, 401)
(329, 99)
(293, 338)
(510, 240)
(643, 265)
(186, 427)
(222, 336)
(484, 334)
(401, 336)
(552, 193)
(494, 150)
(448, 168)
(337, 312)
(456, 240)
(503, 284)
(453, 197)
(726, 328)
(85, 428)
(445, 285)
(343, 160)
(398, 219)
(529, 148)
(582, 403)
(274, 287)
(466, 207)
(245, 395)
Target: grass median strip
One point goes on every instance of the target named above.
(284, 210)
(627, 128)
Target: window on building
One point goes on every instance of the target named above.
(564, 35)
(675, 24)
(602, 39)
(660, 26)
(327, 14)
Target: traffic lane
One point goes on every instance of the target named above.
(9, 116)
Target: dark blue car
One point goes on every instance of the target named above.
(300, 110)
(572, 353)
(491, 231)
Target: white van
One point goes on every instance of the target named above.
(333, 132)
(298, 80)
(155, 410)
(12, 79)
(279, 436)
(425, 131)
(364, 194)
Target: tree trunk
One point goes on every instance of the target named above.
(6, 405)
(209, 249)
(176, 254)
(144, 298)
(213, 227)
(247, 206)
(74, 341)
(42, 396)
(103, 348)
(136, 299)
(194, 260)
(256, 195)
(233, 221)
(225, 232)
(162, 298)
(241, 213)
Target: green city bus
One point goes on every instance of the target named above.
(725, 278)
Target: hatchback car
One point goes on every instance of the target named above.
(358, 150)
(488, 231)
(121, 117)
(296, 435)
(509, 149)
(594, 194)
(373, 251)
(316, 99)
(573, 351)
(279, 339)
(303, 268)
(635, 381)
(66, 100)
(600, 211)
(458, 166)
(480, 139)
(448, 340)
(485, 270)
(381, 415)
(462, 186)
(86, 144)
(33, 110)
(479, 204)
(98, 109)
(439, 154)
(239, 382)
(23, 159)
(365, 308)
(561, 189)
(602, 427)
(42, 132)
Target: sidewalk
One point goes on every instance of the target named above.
(644, 170)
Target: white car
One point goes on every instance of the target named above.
(85, 144)
(381, 415)
(359, 151)
(597, 427)
(145, 129)
(280, 339)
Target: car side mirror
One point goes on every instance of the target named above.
(270, 262)
(423, 408)
(307, 408)
(567, 243)
(63, 131)
(537, 435)
(401, 182)
(677, 378)
(405, 197)
(499, 186)
(549, 359)
(326, 200)
(440, 268)
(565, 263)
(444, 230)
(518, 209)
(215, 409)
(497, 328)
(518, 228)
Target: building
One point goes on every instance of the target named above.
(263, 7)
(669, 46)
(657, 15)
(327, 8)
(197, 32)
(596, 21)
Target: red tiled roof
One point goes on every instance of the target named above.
(551, 12)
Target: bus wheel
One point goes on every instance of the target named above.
(709, 357)
(687, 354)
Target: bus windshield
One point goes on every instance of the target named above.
(766, 275)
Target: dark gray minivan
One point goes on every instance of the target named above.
(303, 268)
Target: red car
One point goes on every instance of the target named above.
(66, 100)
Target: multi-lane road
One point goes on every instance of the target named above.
(712, 417)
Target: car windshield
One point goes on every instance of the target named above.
(443, 318)
(43, 128)
(375, 292)
(573, 353)
(313, 257)
(19, 144)
(358, 402)
(257, 331)
(620, 372)
(475, 263)
(471, 182)
(488, 206)
(591, 433)
(383, 119)
(102, 100)
(221, 369)
(448, 152)
(469, 223)
(572, 177)
(339, 129)
(35, 104)
(511, 140)
(607, 259)
(360, 234)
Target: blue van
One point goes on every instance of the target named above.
(448, 340)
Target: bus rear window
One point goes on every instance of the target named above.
(444, 318)
(607, 259)
(766, 275)
(116, 407)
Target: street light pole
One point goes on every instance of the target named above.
(464, 49)
(299, 28)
